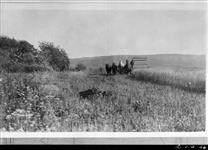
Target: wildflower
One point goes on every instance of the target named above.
(8, 117)
(20, 111)
(20, 130)
(11, 128)
(3, 130)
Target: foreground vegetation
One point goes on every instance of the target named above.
(49, 101)
(39, 91)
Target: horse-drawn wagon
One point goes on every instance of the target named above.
(127, 68)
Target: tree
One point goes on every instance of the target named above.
(22, 50)
(55, 56)
(19, 56)
(6, 42)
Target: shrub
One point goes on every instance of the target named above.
(26, 106)
(80, 67)
(98, 71)
(17, 51)
(34, 68)
(56, 57)
(6, 42)
(14, 68)
(19, 56)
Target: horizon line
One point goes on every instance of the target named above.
(137, 55)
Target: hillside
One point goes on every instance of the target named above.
(160, 60)
(52, 103)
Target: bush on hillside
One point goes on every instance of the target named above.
(53, 55)
(19, 56)
(17, 51)
(80, 67)
(14, 68)
(97, 71)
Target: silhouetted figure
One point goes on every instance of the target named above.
(108, 69)
(131, 65)
(126, 67)
(114, 68)
(120, 67)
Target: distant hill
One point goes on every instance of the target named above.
(159, 60)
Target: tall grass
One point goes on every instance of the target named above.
(49, 101)
(190, 80)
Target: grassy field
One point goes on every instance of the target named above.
(188, 79)
(150, 100)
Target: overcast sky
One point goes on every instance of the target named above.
(104, 30)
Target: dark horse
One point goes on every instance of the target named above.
(131, 66)
(128, 67)
(114, 68)
(111, 69)
(108, 69)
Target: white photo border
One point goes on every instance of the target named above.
(107, 134)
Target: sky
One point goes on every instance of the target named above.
(97, 30)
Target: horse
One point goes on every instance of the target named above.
(131, 66)
(108, 69)
(114, 68)
(120, 67)
(128, 67)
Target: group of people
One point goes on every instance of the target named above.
(121, 68)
